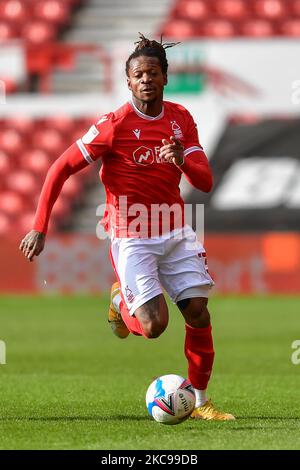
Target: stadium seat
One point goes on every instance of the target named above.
(192, 9)
(257, 28)
(71, 187)
(5, 166)
(291, 28)
(63, 124)
(232, 9)
(179, 29)
(53, 11)
(24, 223)
(38, 32)
(21, 124)
(218, 29)
(11, 141)
(13, 11)
(49, 140)
(21, 181)
(270, 9)
(4, 224)
(7, 31)
(295, 8)
(60, 209)
(36, 161)
(11, 203)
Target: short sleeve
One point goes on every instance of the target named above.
(192, 143)
(98, 140)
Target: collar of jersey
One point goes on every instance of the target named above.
(145, 116)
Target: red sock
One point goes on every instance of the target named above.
(131, 322)
(199, 351)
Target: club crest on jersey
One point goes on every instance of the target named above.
(129, 294)
(137, 133)
(143, 156)
(176, 130)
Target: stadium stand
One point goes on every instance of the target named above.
(233, 18)
(35, 21)
(27, 149)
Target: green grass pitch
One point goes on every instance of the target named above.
(70, 384)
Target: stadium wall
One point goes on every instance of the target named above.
(77, 263)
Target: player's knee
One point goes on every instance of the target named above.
(196, 313)
(155, 328)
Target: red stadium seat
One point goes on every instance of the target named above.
(37, 161)
(38, 32)
(291, 28)
(64, 124)
(49, 140)
(193, 9)
(257, 28)
(22, 124)
(10, 85)
(179, 29)
(295, 7)
(13, 11)
(71, 187)
(270, 9)
(11, 141)
(53, 11)
(7, 31)
(11, 203)
(5, 166)
(232, 9)
(60, 209)
(21, 181)
(25, 222)
(5, 224)
(219, 29)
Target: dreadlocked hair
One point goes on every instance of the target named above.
(151, 48)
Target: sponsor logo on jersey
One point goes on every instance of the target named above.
(137, 133)
(176, 130)
(143, 156)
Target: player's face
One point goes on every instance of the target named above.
(146, 80)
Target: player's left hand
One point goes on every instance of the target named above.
(172, 151)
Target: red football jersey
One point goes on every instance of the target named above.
(129, 142)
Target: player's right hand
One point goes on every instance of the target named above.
(32, 244)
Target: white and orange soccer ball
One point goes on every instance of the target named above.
(170, 399)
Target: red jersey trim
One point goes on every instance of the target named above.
(84, 151)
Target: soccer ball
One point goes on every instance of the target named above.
(170, 399)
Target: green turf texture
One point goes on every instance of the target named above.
(70, 384)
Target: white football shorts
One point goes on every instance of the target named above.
(175, 261)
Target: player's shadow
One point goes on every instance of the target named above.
(76, 418)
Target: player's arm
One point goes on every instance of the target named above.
(191, 161)
(197, 171)
(70, 162)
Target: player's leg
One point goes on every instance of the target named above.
(153, 316)
(183, 273)
(199, 352)
(148, 320)
(138, 304)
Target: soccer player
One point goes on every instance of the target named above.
(145, 147)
